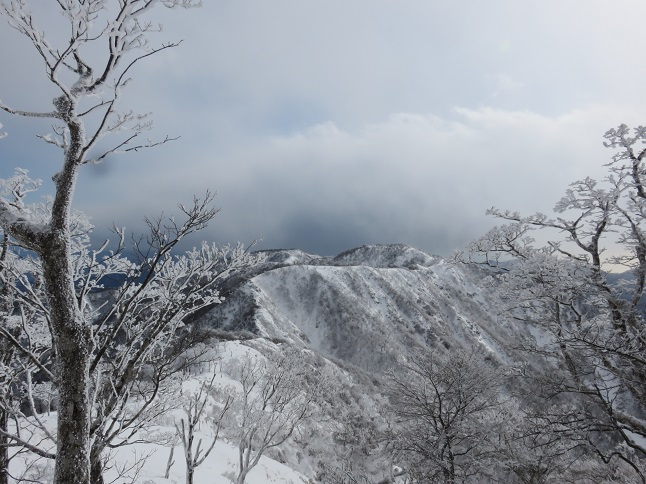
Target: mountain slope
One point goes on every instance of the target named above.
(369, 305)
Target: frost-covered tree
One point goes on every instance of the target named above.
(197, 408)
(589, 320)
(140, 344)
(448, 414)
(277, 394)
(84, 111)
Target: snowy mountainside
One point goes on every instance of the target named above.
(360, 312)
(369, 305)
(383, 256)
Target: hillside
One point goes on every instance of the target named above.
(369, 305)
(363, 311)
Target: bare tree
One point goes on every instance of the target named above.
(447, 416)
(194, 410)
(123, 29)
(277, 395)
(592, 320)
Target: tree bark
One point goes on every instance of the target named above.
(5, 355)
(96, 465)
(4, 449)
(6, 352)
(73, 342)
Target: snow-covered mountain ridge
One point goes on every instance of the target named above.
(368, 305)
(362, 311)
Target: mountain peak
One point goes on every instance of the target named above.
(385, 256)
(288, 256)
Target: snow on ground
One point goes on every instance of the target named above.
(145, 463)
(222, 462)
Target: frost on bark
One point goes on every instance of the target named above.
(593, 320)
(123, 29)
(6, 356)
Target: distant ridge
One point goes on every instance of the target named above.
(385, 255)
(368, 306)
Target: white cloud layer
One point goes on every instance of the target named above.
(422, 180)
(324, 125)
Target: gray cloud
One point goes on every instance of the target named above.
(324, 125)
(415, 179)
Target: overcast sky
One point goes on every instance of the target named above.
(328, 124)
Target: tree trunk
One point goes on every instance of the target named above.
(241, 477)
(170, 462)
(73, 343)
(96, 465)
(6, 353)
(188, 451)
(4, 449)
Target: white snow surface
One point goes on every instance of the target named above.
(367, 314)
(220, 467)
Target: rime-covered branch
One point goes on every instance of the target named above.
(593, 320)
(122, 27)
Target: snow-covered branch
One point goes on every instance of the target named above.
(277, 395)
(29, 114)
(593, 320)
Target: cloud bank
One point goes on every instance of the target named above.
(415, 179)
(326, 125)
